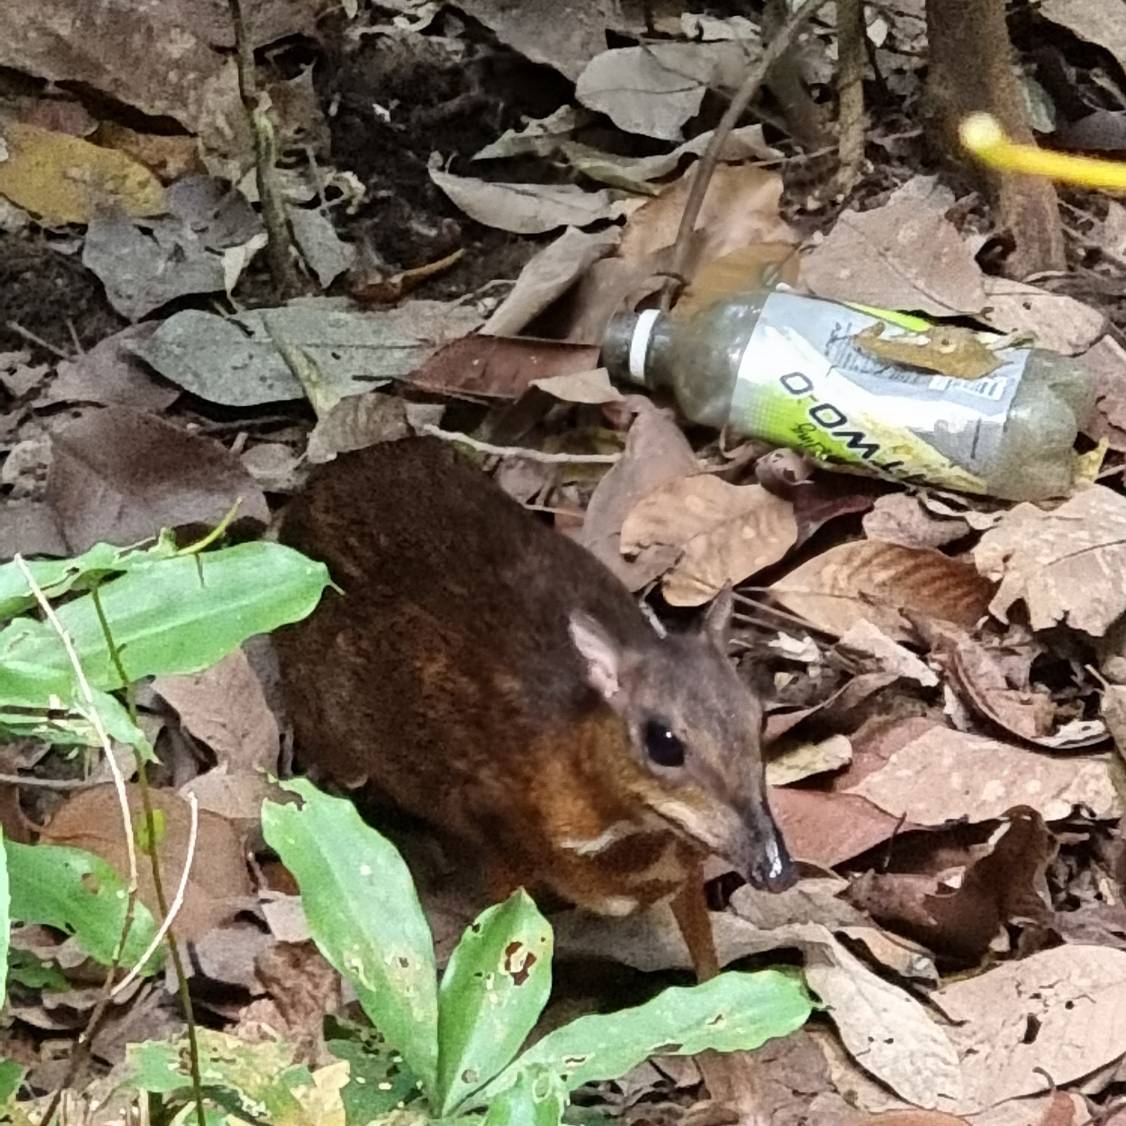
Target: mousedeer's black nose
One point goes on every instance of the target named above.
(767, 863)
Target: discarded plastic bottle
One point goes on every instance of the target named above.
(783, 367)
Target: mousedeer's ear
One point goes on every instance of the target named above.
(601, 654)
(717, 620)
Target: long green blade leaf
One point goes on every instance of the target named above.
(364, 915)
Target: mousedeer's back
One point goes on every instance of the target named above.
(450, 643)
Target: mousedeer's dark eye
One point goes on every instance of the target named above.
(661, 745)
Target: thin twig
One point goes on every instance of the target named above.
(27, 334)
(154, 863)
(517, 451)
(777, 47)
(95, 719)
(177, 900)
(34, 783)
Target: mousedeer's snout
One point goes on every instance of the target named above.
(766, 863)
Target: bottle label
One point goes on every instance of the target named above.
(803, 383)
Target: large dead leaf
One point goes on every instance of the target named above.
(224, 706)
(875, 580)
(547, 275)
(577, 27)
(64, 179)
(1057, 322)
(120, 476)
(1065, 565)
(1098, 21)
(527, 209)
(725, 533)
(219, 884)
(656, 452)
(143, 55)
(740, 209)
(1060, 1012)
(829, 828)
(946, 774)
(904, 255)
(235, 361)
(654, 89)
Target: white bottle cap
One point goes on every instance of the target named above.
(639, 343)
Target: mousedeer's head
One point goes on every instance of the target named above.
(695, 731)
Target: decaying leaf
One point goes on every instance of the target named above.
(863, 637)
(1062, 1010)
(527, 209)
(900, 518)
(875, 580)
(946, 774)
(120, 476)
(218, 886)
(1057, 322)
(654, 89)
(725, 533)
(1065, 565)
(791, 764)
(656, 452)
(224, 706)
(65, 179)
(903, 255)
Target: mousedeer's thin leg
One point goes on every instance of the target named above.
(690, 908)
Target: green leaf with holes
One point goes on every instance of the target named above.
(494, 988)
(732, 1012)
(79, 893)
(364, 916)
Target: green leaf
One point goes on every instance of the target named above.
(537, 1098)
(11, 1074)
(78, 893)
(5, 921)
(57, 576)
(379, 1080)
(495, 986)
(364, 916)
(732, 1012)
(176, 615)
(27, 970)
(28, 692)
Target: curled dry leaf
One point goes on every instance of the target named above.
(1065, 565)
(1058, 322)
(900, 518)
(870, 641)
(724, 533)
(804, 760)
(875, 581)
(946, 774)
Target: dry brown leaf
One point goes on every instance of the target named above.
(865, 638)
(725, 533)
(527, 209)
(737, 272)
(904, 255)
(224, 706)
(1058, 322)
(1098, 21)
(547, 275)
(500, 366)
(1065, 565)
(656, 451)
(1106, 362)
(593, 387)
(946, 774)
(1061, 1011)
(219, 884)
(64, 179)
(119, 476)
(829, 828)
(900, 518)
(875, 580)
(792, 763)
(740, 209)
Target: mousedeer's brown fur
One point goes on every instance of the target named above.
(492, 677)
